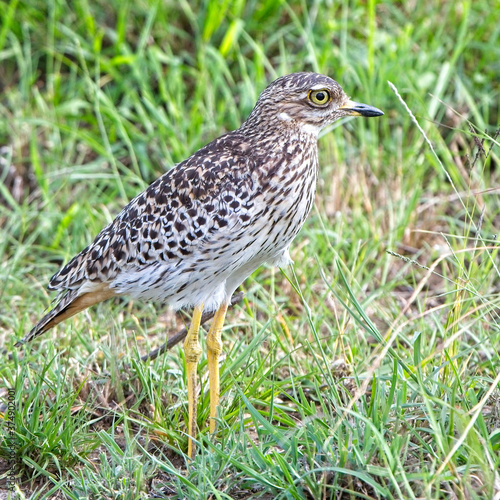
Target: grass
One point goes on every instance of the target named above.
(370, 368)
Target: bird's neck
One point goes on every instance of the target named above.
(278, 126)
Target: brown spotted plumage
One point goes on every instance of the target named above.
(194, 235)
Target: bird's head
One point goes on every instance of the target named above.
(309, 101)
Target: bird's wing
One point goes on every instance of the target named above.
(208, 196)
(200, 203)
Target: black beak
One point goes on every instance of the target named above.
(359, 109)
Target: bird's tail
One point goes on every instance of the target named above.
(70, 304)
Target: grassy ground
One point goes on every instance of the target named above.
(370, 369)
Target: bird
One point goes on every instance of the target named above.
(198, 231)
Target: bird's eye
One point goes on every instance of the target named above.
(319, 97)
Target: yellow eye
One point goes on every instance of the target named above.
(319, 97)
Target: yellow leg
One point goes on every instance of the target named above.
(192, 350)
(214, 349)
